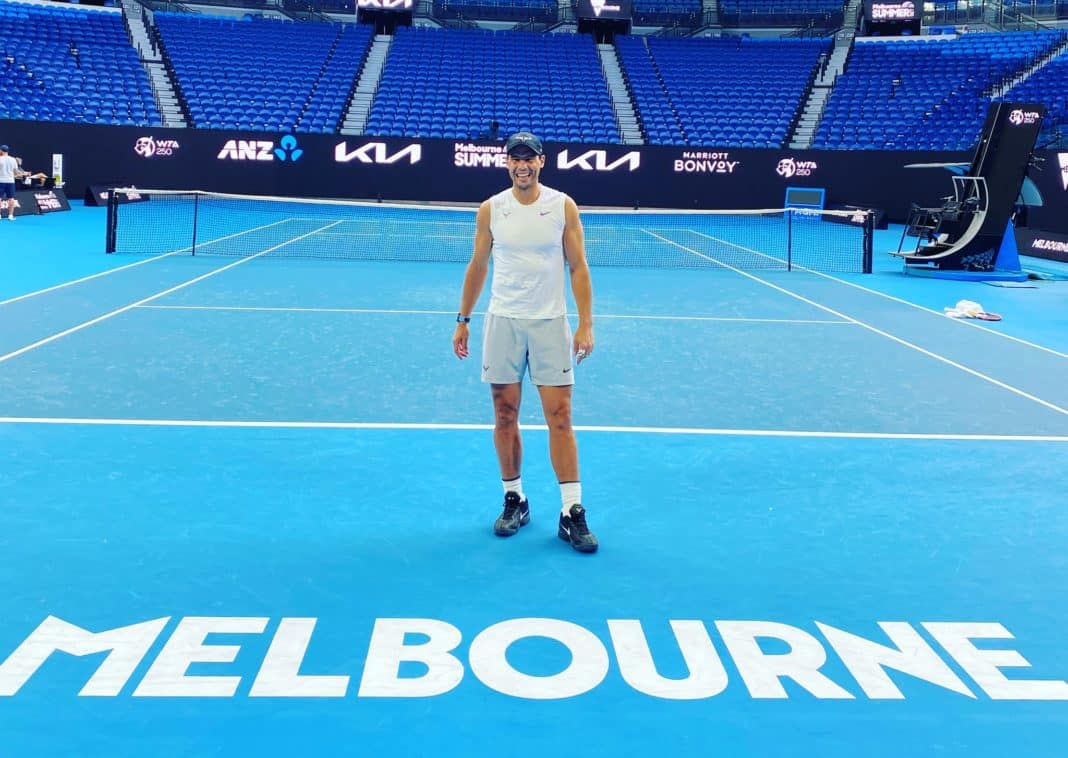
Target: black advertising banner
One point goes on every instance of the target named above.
(1050, 177)
(50, 200)
(469, 171)
(1042, 244)
(25, 205)
(609, 10)
(889, 10)
(398, 6)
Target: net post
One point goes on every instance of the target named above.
(196, 207)
(789, 239)
(112, 222)
(869, 234)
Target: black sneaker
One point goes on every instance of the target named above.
(516, 514)
(573, 529)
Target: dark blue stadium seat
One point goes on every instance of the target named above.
(537, 11)
(781, 12)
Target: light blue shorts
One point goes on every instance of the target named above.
(513, 346)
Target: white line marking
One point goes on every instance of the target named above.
(396, 222)
(876, 330)
(393, 235)
(87, 278)
(700, 431)
(137, 263)
(861, 287)
(271, 309)
(390, 311)
(942, 315)
(125, 308)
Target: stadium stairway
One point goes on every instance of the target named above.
(159, 80)
(820, 93)
(364, 93)
(629, 130)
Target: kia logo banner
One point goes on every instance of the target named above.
(597, 160)
(378, 152)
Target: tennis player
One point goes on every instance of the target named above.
(8, 167)
(533, 233)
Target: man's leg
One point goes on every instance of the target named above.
(509, 446)
(506, 437)
(563, 452)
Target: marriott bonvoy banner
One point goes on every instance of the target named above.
(468, 171)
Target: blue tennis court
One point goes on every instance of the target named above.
(247, 507)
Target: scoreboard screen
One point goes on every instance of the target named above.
(881, 10)
(604, 9)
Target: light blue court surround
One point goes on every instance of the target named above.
(781, 455)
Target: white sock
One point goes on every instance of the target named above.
(514, 485)
(570, 494)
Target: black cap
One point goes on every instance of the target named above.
(524, 140)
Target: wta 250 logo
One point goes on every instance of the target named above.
(791, 167)
(1020, 117)
(150, 147)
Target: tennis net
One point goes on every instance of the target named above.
(211, 223)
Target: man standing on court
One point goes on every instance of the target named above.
(532, 231)
(8, 168)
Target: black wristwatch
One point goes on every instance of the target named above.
(462, 319)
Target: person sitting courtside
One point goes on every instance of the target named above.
(28, 178)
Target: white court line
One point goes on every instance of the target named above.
(700, 431)
(137, 263)
(405, 222)
(125, 308)
(390, 311)
(861, 287)
(869, 327)
(87, 278)
(965, 322)
(378, 234)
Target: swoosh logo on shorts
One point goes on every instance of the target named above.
(566, 370)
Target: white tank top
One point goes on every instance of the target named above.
(528, 255)
(8, 167)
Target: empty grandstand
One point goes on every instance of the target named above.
(452, 83)
(263, 74)
(924, 93)
(1048, 85)
(731, 92)
(61, 63)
